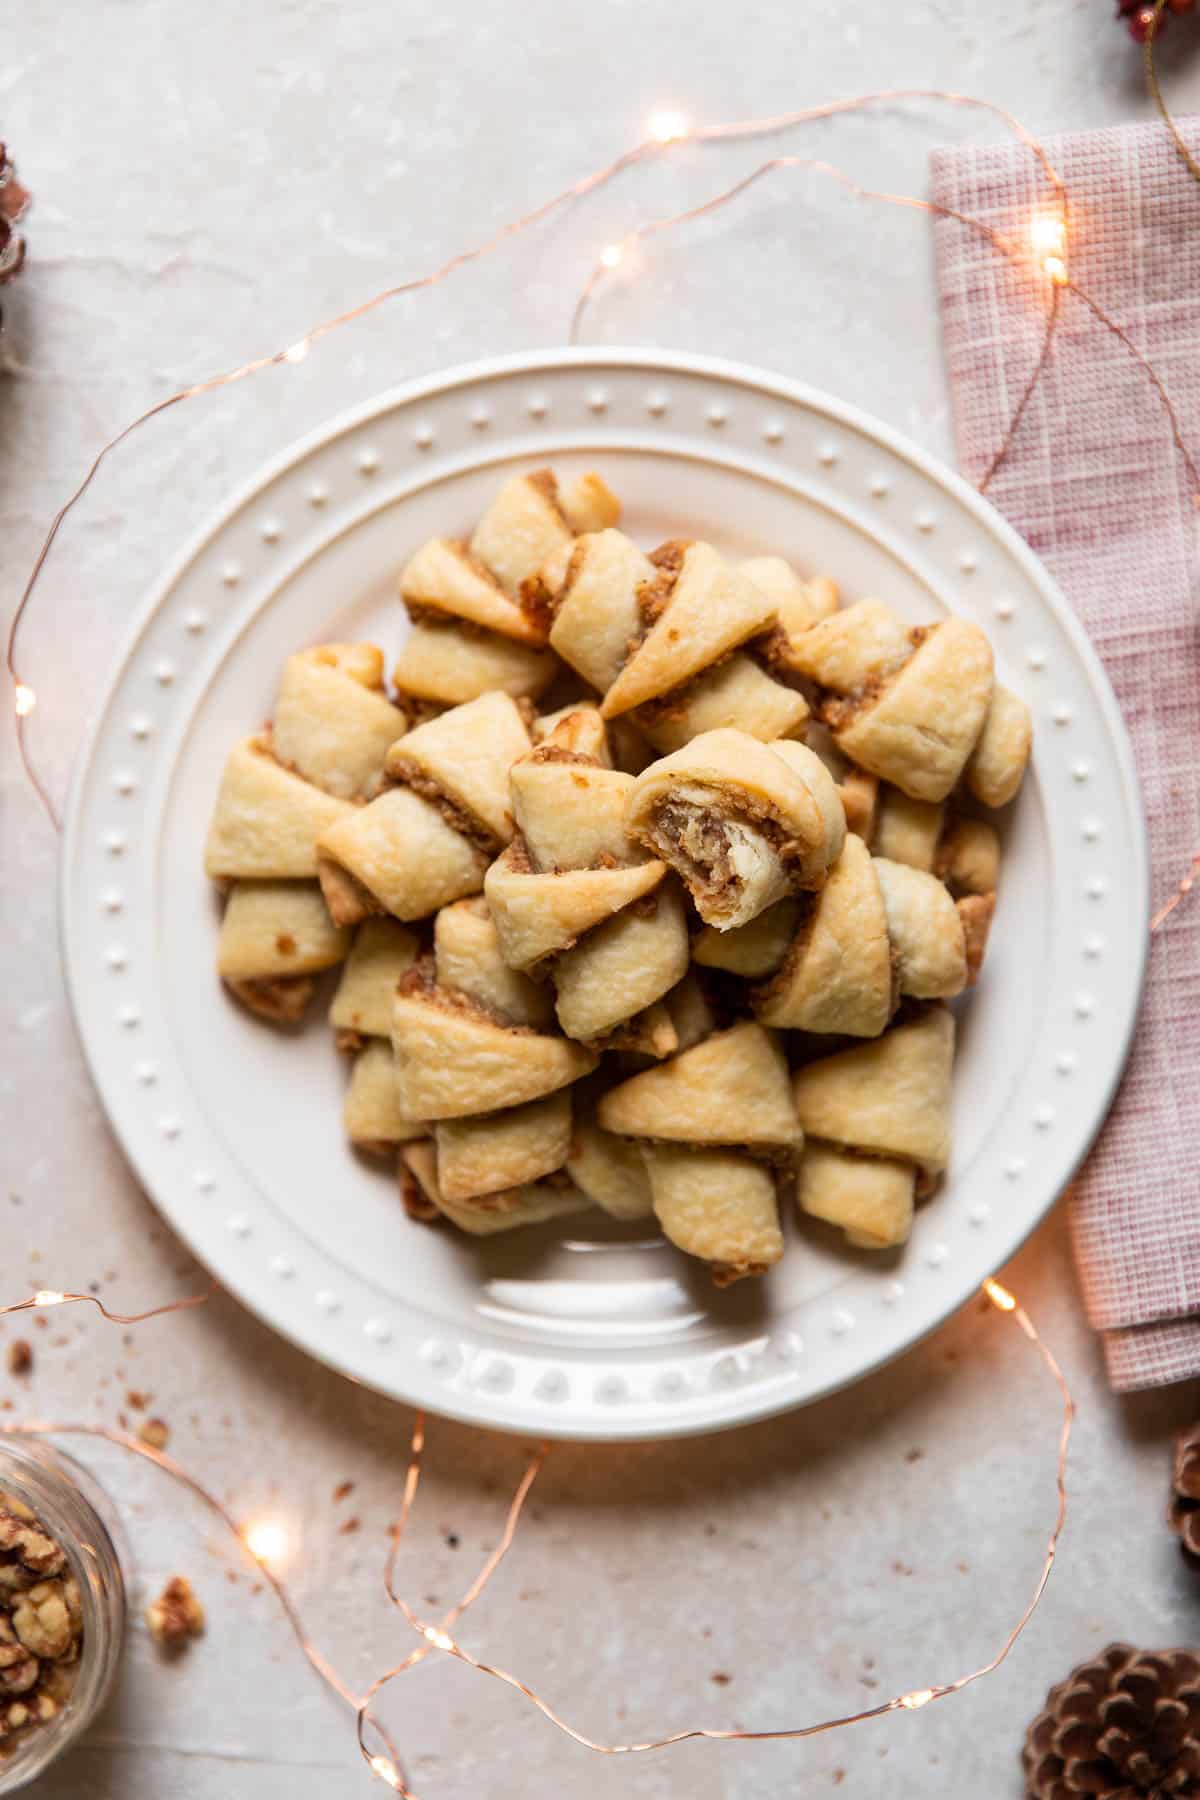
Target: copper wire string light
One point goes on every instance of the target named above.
(1046, 254)
(53, 1297)
(265, 1542)
(666, 129)
(1152, 82)
(439, 1637)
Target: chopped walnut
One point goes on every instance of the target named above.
(29, 1542)
(155, 1433)
(176, 1615)
(18, 1669)
(20, 1356)
(41, 1622)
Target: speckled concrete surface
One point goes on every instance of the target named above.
(208, 181)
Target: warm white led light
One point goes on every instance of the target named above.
(611, 255)
(667, 127)
(24, 699)
(267, 1541)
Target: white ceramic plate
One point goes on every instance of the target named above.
(587, 1329)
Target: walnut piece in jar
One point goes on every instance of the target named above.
(41, 1624)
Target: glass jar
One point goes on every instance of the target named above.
(70, 1506)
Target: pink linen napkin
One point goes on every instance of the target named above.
(1095, 484)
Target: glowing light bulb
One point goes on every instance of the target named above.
(385, 1768)
(1048, 238)
(1048, 234)
(667, 127)
(612, 255)
(297, 352)
(24, 699)
(999, 1296)
(441, 1640)
(921, 1697)
(267, 1541)
(48, 1297)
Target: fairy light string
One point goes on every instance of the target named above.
(45, 1297)
(1046, 252)
(439, 1636)
(1156, 93)
(264, 1541)
(666, 129)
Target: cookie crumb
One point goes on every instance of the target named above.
(154, 1432)
(720, 1677)
(342, 1489)
(176, 1616)
(20, 1356)
(350, 1525)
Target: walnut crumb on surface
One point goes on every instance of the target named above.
(20, 1356)
(154, 1432)
(176, 1616)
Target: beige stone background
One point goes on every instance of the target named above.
(209, 180)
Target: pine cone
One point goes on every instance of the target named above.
(1124, 1727)
(14, 199)
(1183, 1513)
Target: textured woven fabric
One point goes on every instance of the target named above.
(1096, 485)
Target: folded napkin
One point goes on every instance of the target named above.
(1095, 484)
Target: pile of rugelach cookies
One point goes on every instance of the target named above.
(649, 881)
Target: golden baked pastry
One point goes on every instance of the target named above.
(267, 820)
(428, 840)
(912, 705)
(371, 1111)
(610, 1171)
(751, 950)
(361, 1015)
(673, 678)
(963, 852)
(469, 960)
(490, 1213)
(572, 887)
(501, 1150)
(456, 1056)
(997, 763)
(844, 887)
(275, 936)
(570, 865)
(333, 722)
(593, 597)
(380, 954)
(877, 1122)
(743, 823)
(472, 632)
(718, 1205)
(702, 1119)
(877, 932)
